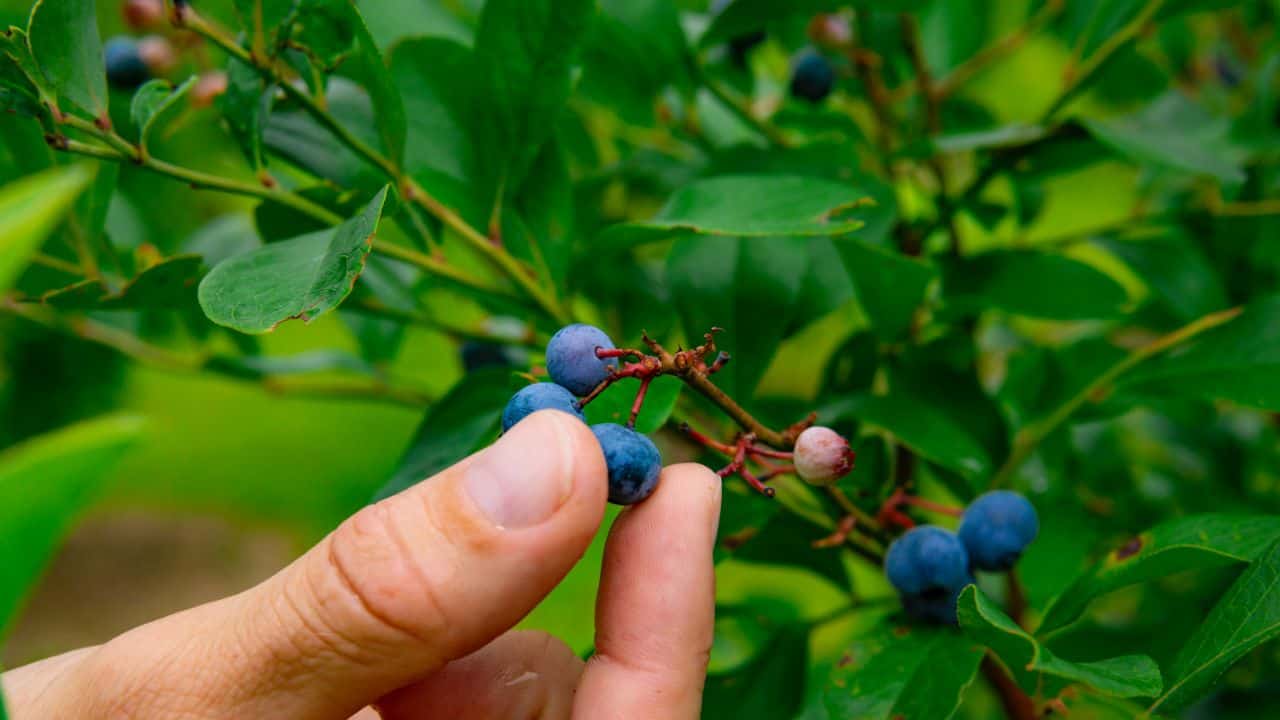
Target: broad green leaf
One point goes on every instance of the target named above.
(30, 209)
(437, 78)
(264, 19)
(525, 52)
(786, 539)
(768, 688)
(912, 672)
(1246, 616)
(1194, 542)
(749, 206)
(742, 17)
(1032, 283)
(984, 621)
(749, 287)
(168, 284)
(1238, 361)
(390, 21)
(1177, 272)
(367, 67)
(457, 425)
(1174, 133)
(1003, 136)
(22, 85)
(65, 43)
(300, 278)
(614, 404)
(245, 106)
(152, 101)
(46, 482)
(889, 286)
(635, 50)
(923, 428)
(295, 135)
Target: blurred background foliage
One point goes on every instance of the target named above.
(1173, 129)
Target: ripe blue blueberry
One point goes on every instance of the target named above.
(996, 528)
(125, 66)
(928, 566)
(633, 462)
(572, 361)
(539, 396)
(812, 78)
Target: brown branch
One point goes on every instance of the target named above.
(1015, 701)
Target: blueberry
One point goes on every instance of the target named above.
(812, 78)
(996, 528)
(539, 396)
(928, 566)
(633, 461)
(477, 354)
(822, 456)
(572, 361)
(125, 66)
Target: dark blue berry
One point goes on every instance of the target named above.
(996, 528)
(633, 461)
(813, 77)
(539, 396)
(125, 66)
(928, 566)
(572, 361)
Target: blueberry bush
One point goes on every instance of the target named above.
(973, 304)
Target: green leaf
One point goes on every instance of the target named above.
(22, 85)
(168, 284)
(1190, 543)
(770, 687)
(525, 52)
(245, 106)
(153, 100)
(367, 67)
(1246, 616)
(614, 404)
(1032, 283)
(44, 484)
(926, 430)
(66, 45)
(742, 17)
(294, 134)
(912, 672)
(1177, 272)
(437, 78)
(749, 206)
(635, 50)
(749, 287)
(889, 286)
(985, 622)
(1177, 134)
(391, 20)
(30, 209)
(457, 425)
(300, 278)
(1238, 361)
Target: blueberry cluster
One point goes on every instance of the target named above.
(575, 369)
(929, 565)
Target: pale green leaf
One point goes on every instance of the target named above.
(30, 209)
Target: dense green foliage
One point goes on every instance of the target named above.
(1031, 244)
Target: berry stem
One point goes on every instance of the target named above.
(639, 401)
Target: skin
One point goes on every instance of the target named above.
(405, 611)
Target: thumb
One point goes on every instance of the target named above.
(399, 589)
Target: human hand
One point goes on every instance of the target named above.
(405, 611)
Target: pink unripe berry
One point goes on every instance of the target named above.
(143, 14)
(822, 456)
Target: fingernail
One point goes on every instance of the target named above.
(522, 479)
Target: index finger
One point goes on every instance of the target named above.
(656, 607)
